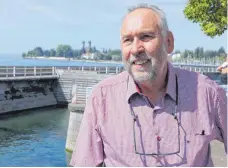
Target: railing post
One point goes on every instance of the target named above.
(24, 71)
(117, 70)
(7, 71)
(14, 71)
(34, 70)
(53, 71)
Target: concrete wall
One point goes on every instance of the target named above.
(22, 95)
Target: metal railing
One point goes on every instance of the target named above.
(197, 68)
(21, 72)
(12, 72)
(116, 70)
(98, 69)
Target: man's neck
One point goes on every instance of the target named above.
(155, 89)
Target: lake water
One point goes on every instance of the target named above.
(17, 60)
(34, 138)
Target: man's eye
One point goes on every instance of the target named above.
(126, 40)
(147, 37)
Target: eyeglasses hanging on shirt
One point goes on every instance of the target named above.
(135, 120)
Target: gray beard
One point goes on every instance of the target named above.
(141, 75)
(151, 74)
(144, 76)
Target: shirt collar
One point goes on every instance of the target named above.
(133, 89)
(171, 85)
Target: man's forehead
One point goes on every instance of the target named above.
(139, 20)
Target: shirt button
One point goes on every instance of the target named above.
(158, 138)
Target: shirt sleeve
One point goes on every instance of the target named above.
(221, 116)
(88, 151)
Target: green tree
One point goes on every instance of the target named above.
(201, 52)
(187, 54)
(196, 52)
(76, 54)
(106, 57)
(47, 53)
(115, 52)
(52, 52)
(210, 14)
(38, 51)
(116, 58)
(210, 53)
(177, 51)
(31, 53)
(221, 51)
(23, 55)
(64, 51)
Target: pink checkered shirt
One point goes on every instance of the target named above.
(106, 131)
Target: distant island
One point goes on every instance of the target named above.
(64, 51)
(89, 52)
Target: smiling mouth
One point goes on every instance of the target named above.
(140, 62)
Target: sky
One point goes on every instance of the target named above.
(26, 24)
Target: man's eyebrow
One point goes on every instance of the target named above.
(148, 32)
(152, 32)
(125, 36)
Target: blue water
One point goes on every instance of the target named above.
(34, 138)
(17, 60)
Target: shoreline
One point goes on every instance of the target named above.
(71, 59)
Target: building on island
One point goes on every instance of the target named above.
(88, 52)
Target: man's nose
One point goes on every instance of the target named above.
(137, 47)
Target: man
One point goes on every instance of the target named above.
(153, 114)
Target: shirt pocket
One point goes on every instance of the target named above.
(197, 148)
(199, 136)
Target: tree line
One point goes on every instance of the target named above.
(68, 52)
(199, 53)
(109, 54)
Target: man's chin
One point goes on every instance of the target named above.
(142, 77)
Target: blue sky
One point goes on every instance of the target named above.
(26, 24)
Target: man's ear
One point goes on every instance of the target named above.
(170, 42)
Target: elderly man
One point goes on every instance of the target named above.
(153, 114)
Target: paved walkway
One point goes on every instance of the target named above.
(218, 154)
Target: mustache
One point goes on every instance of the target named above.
(143, 56)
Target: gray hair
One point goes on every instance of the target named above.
(163, 25)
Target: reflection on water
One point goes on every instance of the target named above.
(36, 138)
